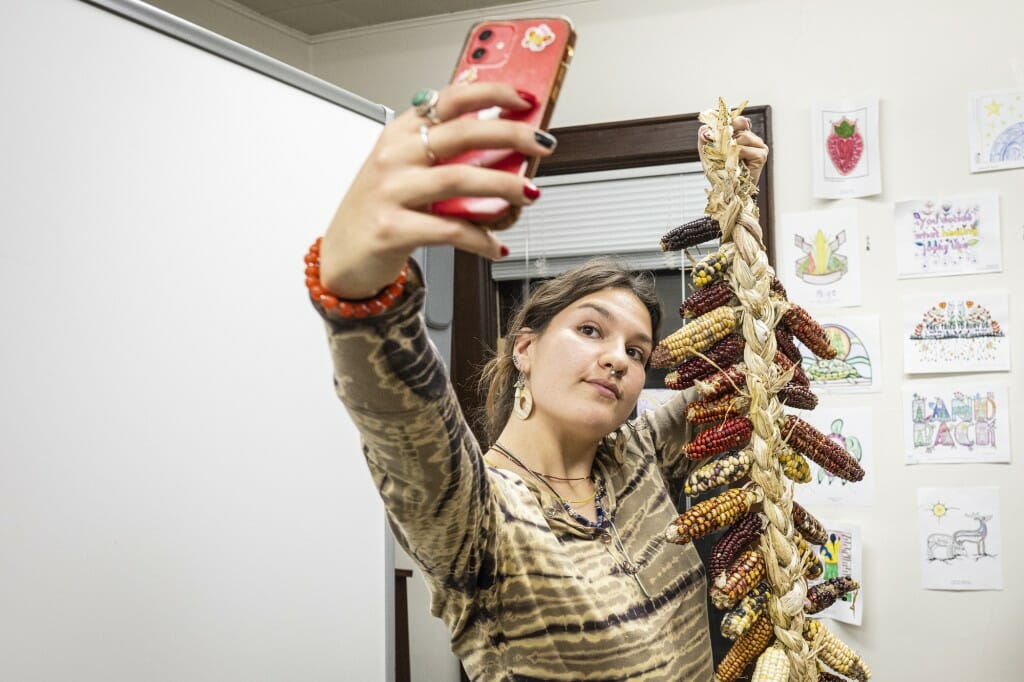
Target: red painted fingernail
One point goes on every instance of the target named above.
(531, 191)
(528, 97)
(504, 251)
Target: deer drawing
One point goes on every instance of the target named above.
(976, 536)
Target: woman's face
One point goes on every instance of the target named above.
(569, 366)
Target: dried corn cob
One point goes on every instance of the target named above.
(799, 377)
(834, 653)
(794, 466)
(735, 582)
(744, 650)
(776, 286)
(797, 397)
(743, 615)
(722, 471)
(729, 435)
(824, 595)
(711, 411)
(708, 268)
(729, 546)
(784, 342)
(721, 355)
(723, 383)
(772, 666)
(695, 337)
(811, 563)
(689, 234)
(706, 300)
(810, 333)
(820, 449)
(810, 528)
(710, 515)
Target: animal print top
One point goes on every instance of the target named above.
(527, 592)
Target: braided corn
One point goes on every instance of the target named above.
(820, 449)
(735, 582)
(742, 616)
(794, 466)
(784, 342)
(722, 471)
(692, 233)
(708, 268)
(799, 376)
(710, 515)
(810, 528)
(722, 354)
(722, 383)
(834, 653)
(695, 337)
(797, 397)
(731, 434)
(710, 411)
(744, 650)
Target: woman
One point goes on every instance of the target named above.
(546, 554)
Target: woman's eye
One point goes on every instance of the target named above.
(588, 330)
(636, 353)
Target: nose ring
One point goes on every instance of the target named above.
(615, 372)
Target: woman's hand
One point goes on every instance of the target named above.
(384, 216)
(753, 150)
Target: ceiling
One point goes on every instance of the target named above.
(314, 17)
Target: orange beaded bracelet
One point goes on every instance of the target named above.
(386, 298)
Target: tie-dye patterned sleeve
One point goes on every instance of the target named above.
(670, 432)
(422, 456)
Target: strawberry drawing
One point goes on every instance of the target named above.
(845, 145)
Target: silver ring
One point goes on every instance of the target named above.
(427, 106)
(425, 139)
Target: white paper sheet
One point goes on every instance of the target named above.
(960, 542)
(846, 161)
(850, 427)
(956, 422)
(841, 556)
(996, 129)
(857, 365)
(819, 257)
(958, 331)
(957, 235)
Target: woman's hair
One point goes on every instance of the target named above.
(549, 298)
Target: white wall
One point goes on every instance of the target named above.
(661, 57)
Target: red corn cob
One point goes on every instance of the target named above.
(729, 546)
(729, 435)
(820, 449)
(784, 342)
(798, 397)
(722, 383)
(824, 595)
(711, 411)
(705, 300)
(810, 333)
(799, 377)
(777, 287)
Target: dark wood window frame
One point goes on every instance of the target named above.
(601, 146)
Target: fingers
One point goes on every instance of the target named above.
(420, 186)
(753, 150)
(460, 135)
(456, 100)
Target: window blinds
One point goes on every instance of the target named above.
(622, 213)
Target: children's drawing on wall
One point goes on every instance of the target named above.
(948, 236)
(651, 398)
(845, 152)
(819, 257)
(996, 133)
(837, 592)
(960, 538)
(961, 332)
(851, 429)
(963, 422)
(855, 369)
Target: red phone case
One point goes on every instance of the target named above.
(532, 55)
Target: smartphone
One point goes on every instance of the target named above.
(532, 55)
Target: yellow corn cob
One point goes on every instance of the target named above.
(736, 581)
(811, 563)
(772, 666)
(695, 337)
(710, 515)
(721, 471)
(743, 615)
(710, 411)
(794, 466)
(744, 650)
(834, 653)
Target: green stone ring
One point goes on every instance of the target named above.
(425, 102)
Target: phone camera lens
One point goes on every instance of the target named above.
(486, 34)
(479, 53)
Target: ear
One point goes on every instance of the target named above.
(522, 348)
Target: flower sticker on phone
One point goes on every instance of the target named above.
(466, 76)
(538, 37)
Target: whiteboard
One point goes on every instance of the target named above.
(181, 495)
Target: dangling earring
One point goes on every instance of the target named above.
(522, 403)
